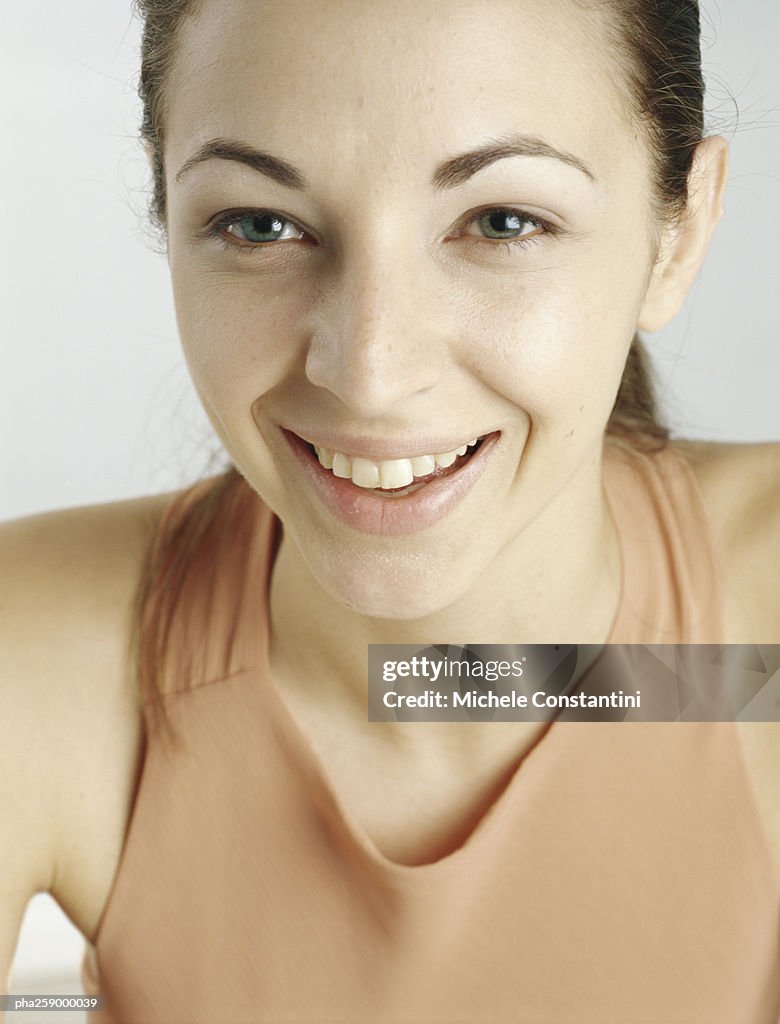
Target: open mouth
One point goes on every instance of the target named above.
(392, 496)
(394, 478)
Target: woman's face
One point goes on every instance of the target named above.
(345, 276)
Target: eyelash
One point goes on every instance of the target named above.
(217, 229)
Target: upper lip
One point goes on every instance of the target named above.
(381, 447)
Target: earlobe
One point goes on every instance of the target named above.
(685, 242)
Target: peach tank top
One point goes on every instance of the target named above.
(623, 875)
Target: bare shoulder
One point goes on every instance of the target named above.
(736, 478)
(740, 484)
(67, 576)
(72, 728)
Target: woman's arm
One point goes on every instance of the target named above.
(69, 713)
(26, 840)
(27, 791)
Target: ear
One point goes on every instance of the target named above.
(685, 242)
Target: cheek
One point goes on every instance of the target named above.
(239, 338)
(553, 344)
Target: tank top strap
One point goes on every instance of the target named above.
(671, 591)
(213, 551)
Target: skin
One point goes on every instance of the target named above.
(396, 323)
(323, 333)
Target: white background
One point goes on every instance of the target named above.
(95, 402)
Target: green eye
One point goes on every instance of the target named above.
(252, 228)
(264, 228)
(506, 224)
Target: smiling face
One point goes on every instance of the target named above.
(345, 277)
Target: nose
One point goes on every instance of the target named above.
(379, 338)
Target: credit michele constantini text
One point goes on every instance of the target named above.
(513, 699)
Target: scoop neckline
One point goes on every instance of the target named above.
(346, 821)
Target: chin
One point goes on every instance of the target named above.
(415, 590)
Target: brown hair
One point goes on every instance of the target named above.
(659, 57)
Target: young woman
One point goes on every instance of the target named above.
(411, 248)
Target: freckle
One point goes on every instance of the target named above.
(581, 408)
(570, 434)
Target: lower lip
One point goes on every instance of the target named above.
(369, 513)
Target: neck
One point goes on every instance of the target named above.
(558, 581)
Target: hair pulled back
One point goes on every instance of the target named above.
(657, 50)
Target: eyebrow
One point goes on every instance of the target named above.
(240, 152)
(452, 172)
(457, 169)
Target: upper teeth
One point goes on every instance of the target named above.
(388, 473)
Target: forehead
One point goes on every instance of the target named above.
(394, 81)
